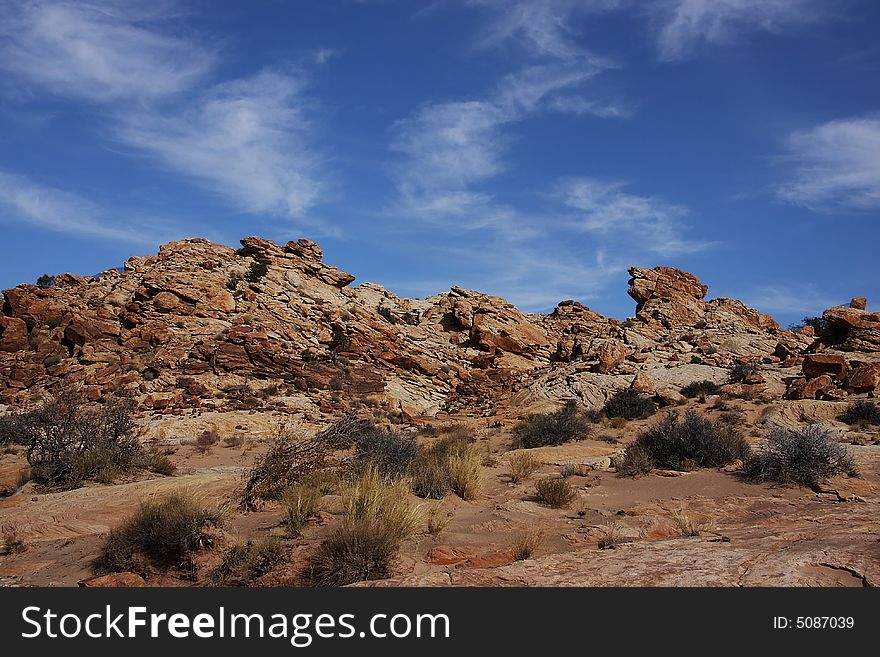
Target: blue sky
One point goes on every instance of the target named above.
(533, 149)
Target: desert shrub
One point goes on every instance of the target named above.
(741, 371)
(820, 324)
(165, 532)
(450, 464)
(45, 281)
(430, 477)
(12, 542)
(521, 465)
(244, 563)
(437, 519)
(345, 432)
(207, 439)
(629, 405)
(699, 389)
(292, 456)
(364, 545)
(354, 552)
(391, 452)
(233, 440)
(635, 462)
(861, 412)
(554, 492)
(685, 524)
(551, 428)
(232, 282)
(693, 441)
(69, 443)
(300, 502)
(372, 497)
(804, 456)
(256, 271)
(156, 461)
(527, 543)
(609, 535)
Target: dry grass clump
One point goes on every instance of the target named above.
(450, 464)
(609, 535)
(363, 546)
(437, 519)
(300, 503)
(685, 524)
(244, 563)
(12, 542)
(520, 465)
(555, 492)
(527, 543)
(164, 531)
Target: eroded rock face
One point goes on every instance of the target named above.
(204, 326)
(858, 330)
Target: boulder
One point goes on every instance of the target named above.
(865, 377)
(859, 303)
(810, 388)
(644, 384)
(818, 364)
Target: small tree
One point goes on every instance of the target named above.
(45, 281)
(256, 271)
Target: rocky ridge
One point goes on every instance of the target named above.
(199, 327)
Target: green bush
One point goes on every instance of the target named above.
(806, 457)
(629, 405)
(256, 271)
(551, 428)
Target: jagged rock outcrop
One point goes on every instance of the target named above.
(204, 326)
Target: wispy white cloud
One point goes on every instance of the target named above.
(98, 51)
(542, 27)
(683, 25)
(788, 299)
(836, 165)
(647, 223)
(47, 207)
(245, 139)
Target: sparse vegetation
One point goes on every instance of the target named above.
(232, 282)
(165, 532)
(345, 432)
(437, 519)
(819, 324)
(609, 535)
(685, 523)
(555, 492)
(158, 462)
(300, 502)
(693, 441)
(45, 281)
(206, 440)
(245, 562)
(292, 456)
(701, 389)
(806, 457)
(450, 464)
(520, 465)
(12, 542)
(68, 442)
(527, 543)
(741, 371)
(551, 428)
(862, 412)
(256, 271)
(363, 546)
(629, 405)
(391, 452)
